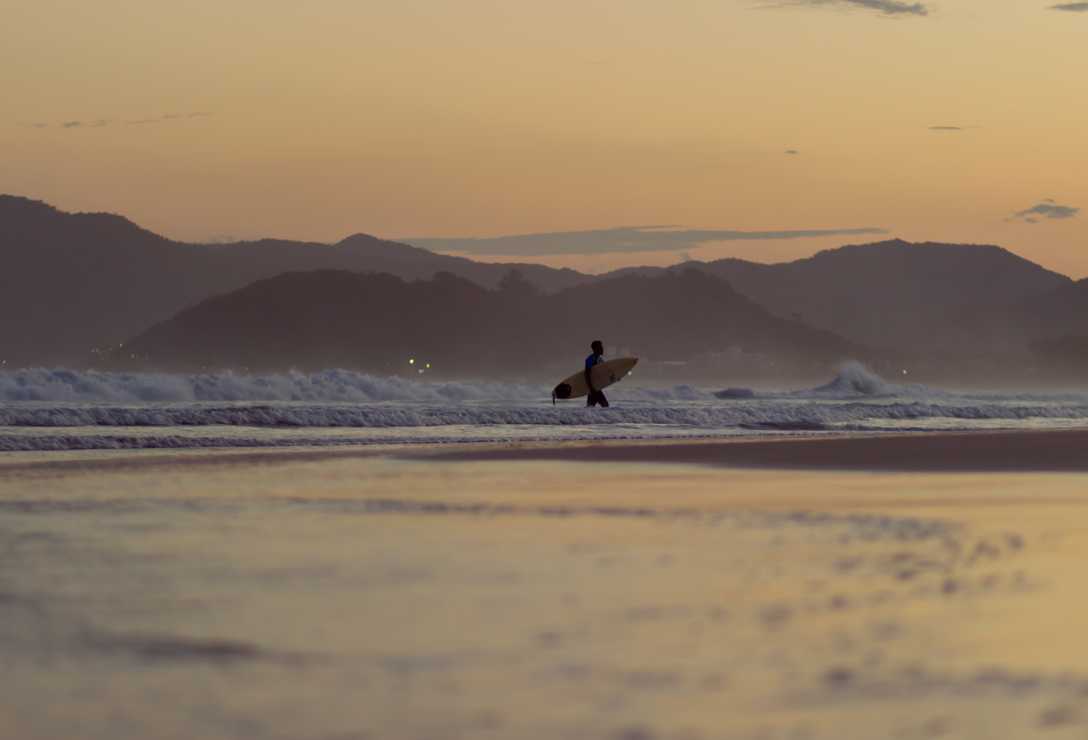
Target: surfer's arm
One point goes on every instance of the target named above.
(589, 380)
(589, 377)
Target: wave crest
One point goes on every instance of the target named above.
(854, 379)
(62, 385)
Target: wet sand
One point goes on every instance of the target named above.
(994, 452)
(1044, 451)
(421, 596)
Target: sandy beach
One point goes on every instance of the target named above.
(713, 590)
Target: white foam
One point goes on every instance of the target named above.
(855, 380)
(63, 409)
(63, 385)
(59, 384)
(756, 412)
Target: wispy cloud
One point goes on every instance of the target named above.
(1047, 209)
(1071, 7)
(102, 122)
(792, 151)
(884, 7)
(622, 239)
(168, 117)
(946, 128)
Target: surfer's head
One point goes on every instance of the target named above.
(597, 346)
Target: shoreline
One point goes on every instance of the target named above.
(1058, 451)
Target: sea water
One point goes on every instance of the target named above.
(56, 409)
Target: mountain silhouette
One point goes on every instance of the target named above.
(908, 298)
(75, 281)
(1055, 325)
(1058, 312)
(75, 285)
(376, 322)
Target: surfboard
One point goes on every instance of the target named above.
(604, 374)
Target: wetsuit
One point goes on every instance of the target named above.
(595, 397)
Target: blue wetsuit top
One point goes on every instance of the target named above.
(594, 359)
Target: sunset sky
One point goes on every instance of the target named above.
(951, 120)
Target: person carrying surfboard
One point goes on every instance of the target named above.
(595, 396)
(596, 375)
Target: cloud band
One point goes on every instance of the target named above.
(625, 239)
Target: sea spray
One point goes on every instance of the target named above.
(854, 379)
(59, 384)
(348, 386)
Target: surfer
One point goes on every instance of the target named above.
(595, 396)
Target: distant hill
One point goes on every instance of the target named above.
(376, 322)
(909, 298)
(73, 281)
(1056, 324)
(1058, 312)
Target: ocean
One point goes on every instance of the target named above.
(59, 410)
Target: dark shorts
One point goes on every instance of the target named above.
(596, 397)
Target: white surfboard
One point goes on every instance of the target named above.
(604, 374)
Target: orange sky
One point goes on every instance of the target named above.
(433, 118)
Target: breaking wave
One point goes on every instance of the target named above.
(62, 385)
(753, 414)
(854, 379)
(328, 386)
(58, 409)
(41, 384)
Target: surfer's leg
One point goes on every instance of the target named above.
(591, 399)
(602, 400)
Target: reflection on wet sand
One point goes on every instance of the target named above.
(381, 597)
